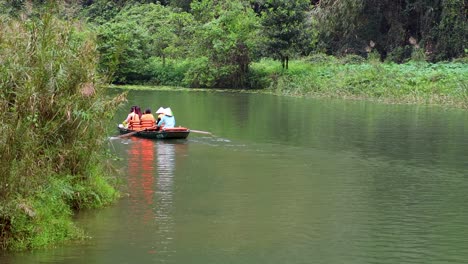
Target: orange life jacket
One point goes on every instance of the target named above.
(147, 121)
(134, 122)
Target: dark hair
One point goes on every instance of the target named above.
(132, 108)
(138, 111)
(148, 111)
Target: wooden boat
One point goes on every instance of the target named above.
(165, 133)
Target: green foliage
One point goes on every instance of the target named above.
(44, 217)
(137, 33)
(224, 41)
(352, 59)
(170, 73)
(339, 21)
(451, 34)
(37, 221)
(231, 34)
(418, 55)
(438, 27)
(101, 11)
(442, 83)
(53, 107)
(123, 48)
(399, 54)
(182, 4)
(201, 74)
(287, 29)
(320, 58)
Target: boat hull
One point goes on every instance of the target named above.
(169, 133)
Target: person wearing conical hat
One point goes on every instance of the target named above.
(168, 120)
(160, 114)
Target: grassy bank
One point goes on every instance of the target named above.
(350, 77)
(322, 76)
(53, 112)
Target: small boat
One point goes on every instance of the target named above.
(165, 133)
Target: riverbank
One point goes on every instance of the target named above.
(352, 77)
(415, 83)
(53, 112)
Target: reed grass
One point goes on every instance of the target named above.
(53, 109)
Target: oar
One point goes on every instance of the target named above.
(201, 132)
(134, 132)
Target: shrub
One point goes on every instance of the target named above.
(352, 59)
(320, 58)
(52, 107)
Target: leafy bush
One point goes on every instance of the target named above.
(399, 54)
(441, 83)
(171, 73)
(52, 107)
(352, 59)
(320, 58)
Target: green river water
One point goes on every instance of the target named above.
(284, 180)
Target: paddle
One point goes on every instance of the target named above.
(201, 132)
(134, 132)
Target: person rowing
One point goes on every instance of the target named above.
(168, 120)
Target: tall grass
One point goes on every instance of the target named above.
(413, 82)
(53, 110)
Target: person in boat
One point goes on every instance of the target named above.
(160, 114)
(148, 120)
(168, 120)
(138, 111)
(133, 119)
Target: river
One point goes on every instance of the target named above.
(283, 180)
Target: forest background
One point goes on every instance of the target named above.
(58, 57)
(231, 44)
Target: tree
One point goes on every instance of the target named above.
(182, 4)
(137, 34)
(287, 28)
(123, 47)
(224, 41)
(450, 35)
(438, 27)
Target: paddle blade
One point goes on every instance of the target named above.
(201, 132)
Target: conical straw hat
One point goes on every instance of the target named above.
(160, 111)
(168, 111)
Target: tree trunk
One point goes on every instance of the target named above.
(284, 61)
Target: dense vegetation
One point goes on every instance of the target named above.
(214, 43)
(350, 77)
(52, 93)
(210, 43)
(51, 145)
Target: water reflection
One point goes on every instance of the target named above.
(141, 170)
(164, 184)
(151, 172)
(298, 181)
